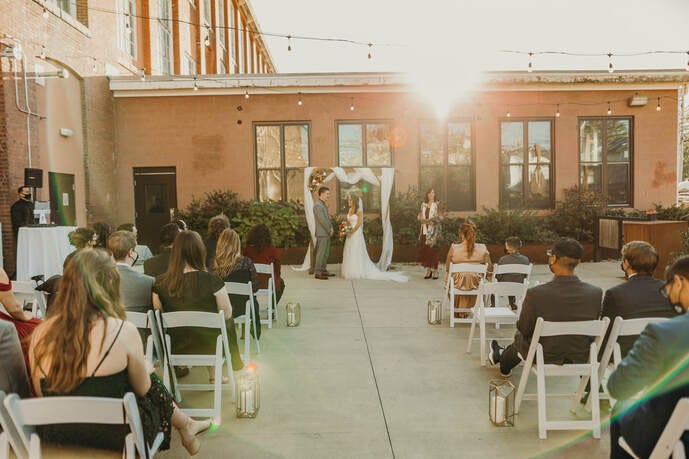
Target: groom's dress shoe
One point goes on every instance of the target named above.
(329, 274)
(322, 276)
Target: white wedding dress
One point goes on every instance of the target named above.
(356, 263)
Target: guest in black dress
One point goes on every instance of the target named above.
(187, 286)
(216, 225)
(232, 266)
(86, 348)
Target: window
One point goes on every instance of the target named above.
(126, 30)
(165, 30)
(447, 166)
(68, 6)
(190, 63)
(363, 144)
(282, 153)
(233, 51)
(526, 157)
(605, 158)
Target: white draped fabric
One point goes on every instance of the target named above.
(360, 173)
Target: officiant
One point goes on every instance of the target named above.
(429, 216)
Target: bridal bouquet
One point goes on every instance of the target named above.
(345, 229)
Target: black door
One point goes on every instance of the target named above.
(155, 200)
(62, 206)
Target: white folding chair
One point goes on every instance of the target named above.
(451, 292)
(591, 328)
(222, 354)
(29, 413)
(25, 292)
(248, 319)
(497, 315)
(669, 444)
(39, 307)
(9, 437)
(144, 321)
(513, 269)
(269, 293)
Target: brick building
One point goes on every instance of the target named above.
(69, 132)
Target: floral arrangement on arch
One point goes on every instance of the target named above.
(316, 178)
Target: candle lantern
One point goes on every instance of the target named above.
(293, 314)
(435, 312)
(501, 402)
(248, 393)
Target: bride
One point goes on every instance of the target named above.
(356, 263)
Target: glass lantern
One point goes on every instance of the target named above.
(248, 393)
(435, 312)
(501, 402)
(293, 314)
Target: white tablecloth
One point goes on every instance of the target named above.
(42, 250)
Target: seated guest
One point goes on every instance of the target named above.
(641, 295)
(216, 225)
(142, 251)
(157, 265)
(512, 257)
(565, 298)
(13, 378)
(467, 251)
(657, 361)
(80, 238)
(231, 266)
(182, 224)
(86, 348)
(135, 287)
(260, 249)
(187, 286)
(103, 230)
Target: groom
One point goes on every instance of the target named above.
(324, 230)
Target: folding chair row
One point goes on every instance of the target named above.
(248, 319)
(147, 321)
(19, 419)
(513, 269)
(451, 292)
(270, 292)
(25, 292)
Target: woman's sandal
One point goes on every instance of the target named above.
(428, 275)
(435, 275)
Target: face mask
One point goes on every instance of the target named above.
(135, 258)
(626, 276)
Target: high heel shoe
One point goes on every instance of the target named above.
(189, 433)
(435, 275)
(428, 275)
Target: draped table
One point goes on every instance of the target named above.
(42, 250)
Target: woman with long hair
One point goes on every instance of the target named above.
(232, 266)
(87, 348)
(80, 238)
(187, 286)
(260, 248)
(429, 216)
(466, 251)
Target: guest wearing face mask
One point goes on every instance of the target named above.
(22, 210)
(135, 287)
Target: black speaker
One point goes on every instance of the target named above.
(33, 177)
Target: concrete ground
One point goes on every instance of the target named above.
(364, 375)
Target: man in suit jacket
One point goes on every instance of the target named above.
(158, 265)
(135, 288)
(324, 230)
(565, 298)
(13, 378)
(658, 360)
(640, 296)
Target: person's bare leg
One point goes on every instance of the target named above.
(188, 429)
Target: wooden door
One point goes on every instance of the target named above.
(62, 206)
(155, 200)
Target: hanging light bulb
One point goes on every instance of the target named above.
(94, 65)
(530, 67)
(370, 45)
(45, 13)
(196, 86)
(658, 106)
(299, 102)
(246, 94)
(508, 111)
(611, 68)
(143, 74)
(351, 106)
(557, 113)
(289, 43)
(609, 109)
(127, 26)
(44, 52)
(207, 41)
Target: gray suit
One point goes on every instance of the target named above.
(323, 229)
(135, 289)
(13, 378)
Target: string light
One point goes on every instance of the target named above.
(299, 102)
(370, 45)
(609, 109)
(351, 106)
(196, 86)
(44, 52)
(658, 106)
(127, 27)
(508, 112)
(289, 43)
(557, 113)
(207, 41)
(611, 68)
(530, 67)
(94, 65)
(45, 13)
(246, 94)
(143, 74)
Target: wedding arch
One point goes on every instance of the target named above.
(360, 173)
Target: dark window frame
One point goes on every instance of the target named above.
(525, 165)
(443, 193)
(604, 159)
(283, 167)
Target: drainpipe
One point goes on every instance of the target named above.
(27, 110)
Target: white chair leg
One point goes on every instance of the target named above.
(540, 389)
(35, 447)
(522, 386)
(217, 389)
(471, 335)
(482, 332)
(595, 399)
(269, 299)
(4, 446)
(254, 321)
(678, 452)
(247, 337)
(129, 447)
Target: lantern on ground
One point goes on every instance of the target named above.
(293, 314)
(501, 402)
(248, 393)
(435, 312)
